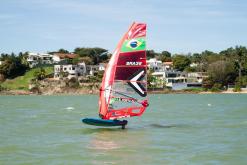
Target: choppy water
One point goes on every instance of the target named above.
(176, 129)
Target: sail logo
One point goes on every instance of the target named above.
(134, 44)
(128, 100)
(133, 63)
(135, 82)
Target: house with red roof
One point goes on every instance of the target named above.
(58, 57)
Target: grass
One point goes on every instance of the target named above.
(195, 90)
(22, 82)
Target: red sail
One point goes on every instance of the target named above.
(123, 91)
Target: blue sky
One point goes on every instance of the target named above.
(178, 26)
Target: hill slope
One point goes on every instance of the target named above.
(22, 82)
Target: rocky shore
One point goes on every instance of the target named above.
(83, 91)
(68, 87)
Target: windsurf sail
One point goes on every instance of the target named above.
(123, 91)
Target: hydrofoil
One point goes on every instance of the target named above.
(105, 123)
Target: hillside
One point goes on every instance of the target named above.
(22, 82)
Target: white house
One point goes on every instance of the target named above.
(69, 70)
(39, 58)
(154, 64)
(179, 80)
(184, 81)
(1, 62)
(102, 66)
(193, 65)
(198, 76)
(168, 65)
(91, 69)
(168, 76)
(176, 80)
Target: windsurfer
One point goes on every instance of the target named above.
(123, 85)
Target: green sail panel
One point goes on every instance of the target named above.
(135, 44)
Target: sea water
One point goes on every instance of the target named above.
(175, 129)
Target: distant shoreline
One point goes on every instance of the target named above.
(96, 92)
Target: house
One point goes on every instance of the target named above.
(102, 66)
(184, 81)
(177, 80)
(172, 77)
(154, 64)
(168, 65)
(168, 76)
(34, 59)
(198, 76)
(92, 69)
(69, 70)
(58, 57)
(1, 62)
(193, 65)
(158, 80)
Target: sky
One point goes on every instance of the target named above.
(177, 26)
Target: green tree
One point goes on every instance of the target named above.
(239, 56)
(164, 56)
(196, 58)
(229, 53)
(207, 83)
(75, 61)
(96, 54)
(99, 75)
(150, 54)
(166, 53)
(222, 72)
(39, 74)
(62, 51)
(241, 59)
(87, 60)
(12, 66)
(180, 62)
(23, 57)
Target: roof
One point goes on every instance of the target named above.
(103, 64)
(151, 60)
(40, 54)
(66, 55)
(168, 63)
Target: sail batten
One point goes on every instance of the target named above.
(126, 72)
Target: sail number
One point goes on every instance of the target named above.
(133, 63)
